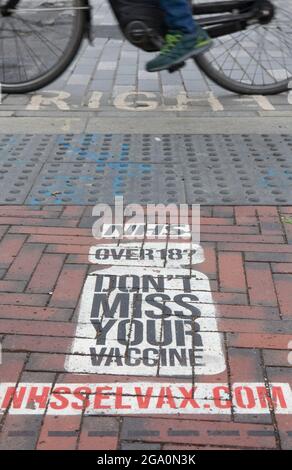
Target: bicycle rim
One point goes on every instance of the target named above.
(257, 60)
(38, 41)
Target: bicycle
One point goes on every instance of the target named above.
(252, 52)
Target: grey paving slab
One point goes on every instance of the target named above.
(108, 148)
(148, 85)
(169, 123)
(233, 169)
(87, 183)
(101, 85)
(51, 125)
(21, 159)
(125, 80)
(89, 168)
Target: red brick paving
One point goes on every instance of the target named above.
(59, 433)
(43, 265)
(99, 433)
(25, 263)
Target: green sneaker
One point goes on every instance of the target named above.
(178, 47)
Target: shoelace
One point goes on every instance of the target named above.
(170, 41)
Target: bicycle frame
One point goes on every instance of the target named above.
(231, 15)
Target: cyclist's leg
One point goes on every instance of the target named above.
(185, 38)
(178, 16)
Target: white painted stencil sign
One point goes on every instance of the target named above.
(147, 320)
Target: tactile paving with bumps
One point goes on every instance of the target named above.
(21, 160)
(83, 183)
(90, 168)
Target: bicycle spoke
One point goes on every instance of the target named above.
(19, 56)
(45, 40)
(260, 56)
(35, 38)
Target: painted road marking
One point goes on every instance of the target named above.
(146, 254)
(143, 315)
(146, 324)
(120, 398)
(149, 101)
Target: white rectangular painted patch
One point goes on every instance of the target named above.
(143, 316)
(156, 254)
(144, 398)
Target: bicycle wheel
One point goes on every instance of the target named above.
(38, 41)
(257, 60)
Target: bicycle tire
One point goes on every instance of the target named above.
(237, 86)
(60, 66)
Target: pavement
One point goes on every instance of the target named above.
(109, 79)
(44, 265)
(221, 380)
